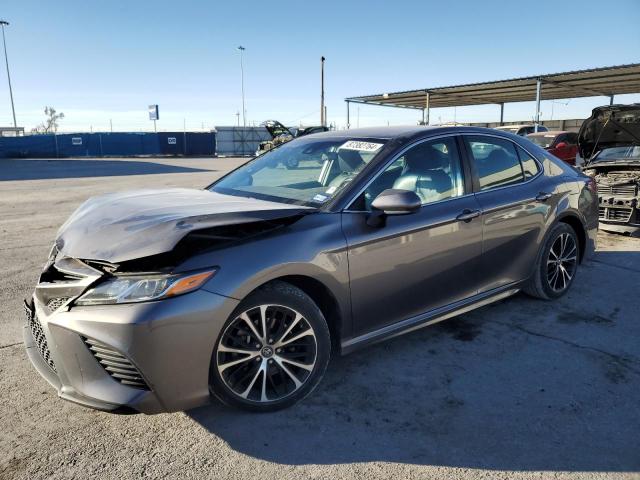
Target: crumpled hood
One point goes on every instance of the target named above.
(124, 226)
(610, 126)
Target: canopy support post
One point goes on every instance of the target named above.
(538, 88)
(611, 99)
(502, 114)
(348, 121)
(426, 110)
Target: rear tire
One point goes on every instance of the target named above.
(272, 352)
(556, 265)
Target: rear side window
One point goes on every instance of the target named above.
(572, 138)
(496, 161)
(529, 165)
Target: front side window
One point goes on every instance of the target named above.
(431, 169)
(305, 171)
(496, 161)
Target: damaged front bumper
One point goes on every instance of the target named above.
(618, 208)
(147, 357)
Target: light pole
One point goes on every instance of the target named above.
(323, 120)
(242, 49)
(6, 61)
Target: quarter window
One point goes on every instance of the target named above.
(496, 161)
(529, 165)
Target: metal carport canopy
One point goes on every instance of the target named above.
(605, 81)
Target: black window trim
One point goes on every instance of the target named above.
(476, 179)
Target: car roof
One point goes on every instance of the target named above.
(550, 132)
(408, 131)
(520, 125)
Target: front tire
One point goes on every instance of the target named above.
(273, 350)
(556, 265)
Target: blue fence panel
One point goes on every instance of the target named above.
(108, 144)
(26, 147)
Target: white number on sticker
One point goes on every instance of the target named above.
(363, 146)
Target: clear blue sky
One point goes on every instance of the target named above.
(97, 61)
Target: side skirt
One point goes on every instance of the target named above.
(429, 318)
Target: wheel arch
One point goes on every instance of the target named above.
(323, 297)
(573, 220)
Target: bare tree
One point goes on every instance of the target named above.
(50, 125)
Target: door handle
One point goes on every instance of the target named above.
(468, 215)
(543, 196)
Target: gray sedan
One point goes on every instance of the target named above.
(157, 300)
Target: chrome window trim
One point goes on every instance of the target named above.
(535, 159)
(396, 157)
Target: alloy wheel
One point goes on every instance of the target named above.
(562, 262)
(266, 353)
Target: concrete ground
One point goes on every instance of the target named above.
(519, 389)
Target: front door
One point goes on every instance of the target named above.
(421, 261)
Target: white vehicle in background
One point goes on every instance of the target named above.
(522, 130)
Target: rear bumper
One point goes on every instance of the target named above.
(169, 342)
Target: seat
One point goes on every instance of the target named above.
(424, 173)
(349, 163)
(349, 160)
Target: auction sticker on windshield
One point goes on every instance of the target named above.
(362, 146)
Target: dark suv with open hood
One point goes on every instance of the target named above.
(609, 142)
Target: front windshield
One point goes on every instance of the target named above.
(544, 141)
(305, 171)
(632, 152)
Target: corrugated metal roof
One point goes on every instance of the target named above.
(605, 81)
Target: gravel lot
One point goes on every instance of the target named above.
(519, 389)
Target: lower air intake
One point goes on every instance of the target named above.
(116, 364)
(40, 339)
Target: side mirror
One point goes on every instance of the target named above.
(397, 202)
(561, 145)
(392, 202)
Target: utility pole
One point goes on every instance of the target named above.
(6, 61)
(241, 49)
(323, 118)
(111, 125)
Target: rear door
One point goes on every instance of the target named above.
(513, 196)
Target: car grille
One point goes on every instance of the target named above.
(620, 190)
(116, 364)
(41, 340)
(615, 214)
(55, 303)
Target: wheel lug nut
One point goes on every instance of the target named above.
(257, 345)
(270, 362)
(257, 359)
(271, 340)
(279, 350)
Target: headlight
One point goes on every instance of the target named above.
(141, 288)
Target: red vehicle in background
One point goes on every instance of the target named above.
(563, 145)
